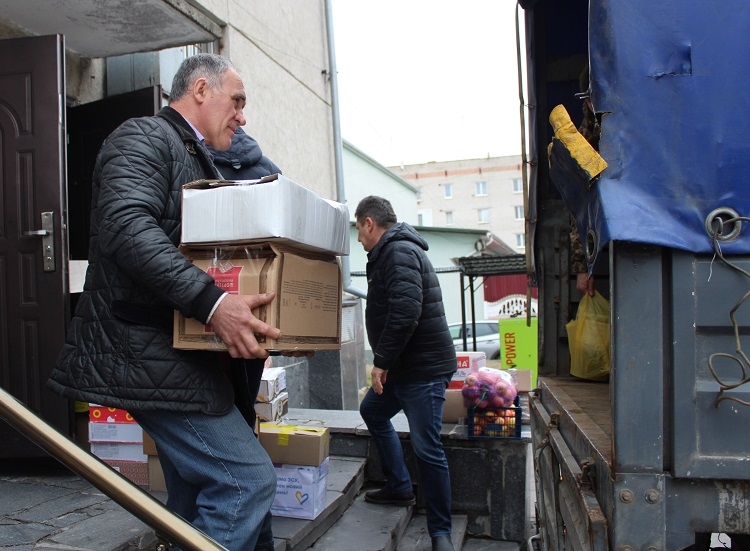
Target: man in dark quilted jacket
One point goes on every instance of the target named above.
(119, 351)
(414, 360)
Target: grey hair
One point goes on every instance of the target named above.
(210, 66)
(377, 208)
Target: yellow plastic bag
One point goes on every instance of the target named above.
(588, 339)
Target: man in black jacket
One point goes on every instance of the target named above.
(414, 359)
(119, 351)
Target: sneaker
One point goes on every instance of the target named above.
(385, 496)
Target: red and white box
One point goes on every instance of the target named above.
(468, 362)
(103, 414)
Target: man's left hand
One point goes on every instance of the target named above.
(378, 377)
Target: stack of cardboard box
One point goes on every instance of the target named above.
(268, 235)
(273, 400)
(116, 439)
(300, 458)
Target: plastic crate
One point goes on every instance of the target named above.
(495, 422)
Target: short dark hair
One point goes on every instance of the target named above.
(377, 208)
(210, 66)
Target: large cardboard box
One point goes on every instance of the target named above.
(272, 383)
(519, 343)
(295, 444)
(300, 490)
(273, 208)
(307, 306)
(275, 409)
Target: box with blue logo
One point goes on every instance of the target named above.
(300, 490)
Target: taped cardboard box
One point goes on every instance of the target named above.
(272, 383)
(295, 444)
(300, 490)
(307, 306)
(275, 409)
(273, 208)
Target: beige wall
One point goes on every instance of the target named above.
(280, 48)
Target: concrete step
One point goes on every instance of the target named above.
(366, 527)
(345, 478)
(416, 538)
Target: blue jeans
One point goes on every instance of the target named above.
(422, 403)
(218, 476)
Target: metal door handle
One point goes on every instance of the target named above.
(47, 233)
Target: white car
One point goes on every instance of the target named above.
(488, 337)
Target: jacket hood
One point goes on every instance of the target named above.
(244, 159)
(244, 151)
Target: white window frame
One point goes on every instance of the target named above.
(483, 219)
(517, 185)
(448, 217)
(481, 189)
(518, 209)
(520, 241)
(448, 191)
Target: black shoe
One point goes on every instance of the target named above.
(387, 497)
(442, 543)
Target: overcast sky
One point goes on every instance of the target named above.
(428, 80)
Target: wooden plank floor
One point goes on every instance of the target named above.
(588, 405)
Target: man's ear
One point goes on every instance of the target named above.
(200, 90)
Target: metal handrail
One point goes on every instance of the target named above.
(138, 502)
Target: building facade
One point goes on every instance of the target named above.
(474, 193)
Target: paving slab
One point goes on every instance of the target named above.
(416, 537)
(366, 527)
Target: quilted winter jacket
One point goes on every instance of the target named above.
(118, 351)
(405, 317)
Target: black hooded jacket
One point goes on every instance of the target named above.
(118, 351)
(405, 317)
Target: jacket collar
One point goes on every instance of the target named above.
(188, 137)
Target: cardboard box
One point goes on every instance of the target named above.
(272, 383)
(519, 345)
(115, 432)
(275, 409)
(295, 444)
(156, 482)
(468, 362)
(300, 490)
(453, 409)
(149, 446)
(118, 451)
(307, 306)
(135, 471)
(273, 208)
(103, 414)
(522, 378)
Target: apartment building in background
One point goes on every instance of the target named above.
(473, 193)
